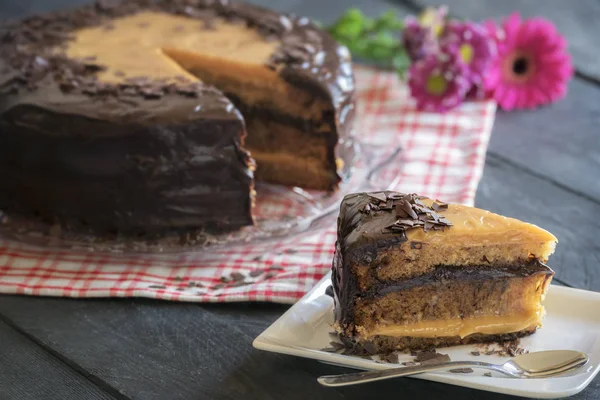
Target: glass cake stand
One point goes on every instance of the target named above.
(280, 212)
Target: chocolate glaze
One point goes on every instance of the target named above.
(149, 155)
(151, 175)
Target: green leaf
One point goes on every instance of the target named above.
(389, 21)
(372, 39)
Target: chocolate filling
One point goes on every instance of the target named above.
(346, 290)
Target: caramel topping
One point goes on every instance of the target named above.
(472, 225)
(135, 45)
(467, 226)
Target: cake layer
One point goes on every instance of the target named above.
(291, 151)
(375, 253)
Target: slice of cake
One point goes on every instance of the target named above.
(410, 273)
(142, 115)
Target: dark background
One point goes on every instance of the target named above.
(542, 166)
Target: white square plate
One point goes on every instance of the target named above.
(572, 322)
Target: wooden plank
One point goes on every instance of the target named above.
(27, 371)
(576, 20)
(560, 142)
(510, 191)
(157, 350)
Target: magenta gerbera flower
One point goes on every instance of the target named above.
(532, 66)
(471, 42)
(438, 82)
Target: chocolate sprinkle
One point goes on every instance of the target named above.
(431, 357)
(329, 291)
(439, 206)
(409, 210)
(391, 358)
(236, 276)
(410, 363)
(256, 272)
(461, 370)
(488, 374)
(475, 353)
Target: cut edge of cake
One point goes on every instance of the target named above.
(384, 303)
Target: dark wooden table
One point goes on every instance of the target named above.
(542, 166)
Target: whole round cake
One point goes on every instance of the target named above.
(146, 116)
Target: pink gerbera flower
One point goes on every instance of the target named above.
(438, 82)
(471, 42)
(532, 66)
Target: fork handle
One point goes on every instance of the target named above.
(372, 376)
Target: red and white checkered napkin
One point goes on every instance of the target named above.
(443, 157)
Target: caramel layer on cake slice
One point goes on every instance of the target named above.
(411, 273)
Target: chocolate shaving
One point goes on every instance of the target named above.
(461, 370)
(410, 213)
(337, 345)
(400, 213)
(391, 358)
(431, 357)
(439, 206)
(410, 363)
(157, 287)
(379, 196)
(475, 353)
(256, 272)
(236, 276)
(488, 374)
(329, 291)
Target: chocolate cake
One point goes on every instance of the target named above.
(132, 116)
(410, 273)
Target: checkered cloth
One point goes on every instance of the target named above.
(443, 157)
